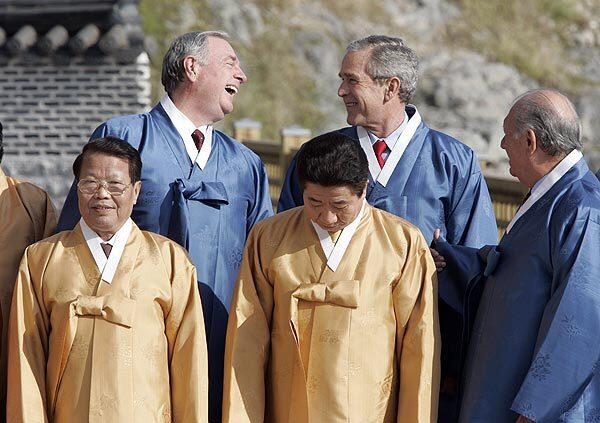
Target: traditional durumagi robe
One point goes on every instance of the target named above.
(107, 340)
(433, 181)
(533, 349)
(26, 216)
(326, 331)
(207, 204)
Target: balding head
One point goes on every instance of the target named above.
(553, 119)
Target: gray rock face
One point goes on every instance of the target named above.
(588, 107)
(467, 97)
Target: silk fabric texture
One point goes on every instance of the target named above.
(533, 348)
(83, 350)
(209, 212)
(27, 216)
(437, 183)
(358, 344)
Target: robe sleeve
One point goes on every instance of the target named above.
(291, 192)
(48, 225)
(471, 222)
(262, 207)
(29, 327)
(567, 352)
(69, 215)
(418, 339)
(248, 341)
(188, 357)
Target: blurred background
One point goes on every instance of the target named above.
(475, 57)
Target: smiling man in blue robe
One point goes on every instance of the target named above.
(200, 187)
(532, 303)
(417, 173)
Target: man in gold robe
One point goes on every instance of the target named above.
(106, 322)
(26, 216)
(334, 317)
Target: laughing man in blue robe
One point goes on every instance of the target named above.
(200, 187)
(534, 300)
(417, 173)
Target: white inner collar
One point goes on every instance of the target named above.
(107, 266)
(383, 175)
(391, 139)
(335, 251)
(542, 186)
(185, 127)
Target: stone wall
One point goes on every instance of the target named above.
(50, 106)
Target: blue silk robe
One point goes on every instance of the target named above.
(210, 212)
(532, 308)
(436, 184)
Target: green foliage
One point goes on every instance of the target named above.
(164, 20)
(530, 35)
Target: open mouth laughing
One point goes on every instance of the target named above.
(231, 89)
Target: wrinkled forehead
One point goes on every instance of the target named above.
(220, 48)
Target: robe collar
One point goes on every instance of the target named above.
(383, 175)
(334, 252)
(107, 266)
(185, 127)
(545, 183)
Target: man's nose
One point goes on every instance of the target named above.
(342, 91)
(328, 217)
(240, 75)
(102, 192)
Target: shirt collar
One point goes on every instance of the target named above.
(543, 185)
(107, 266)
(392, 138)
(185, 127)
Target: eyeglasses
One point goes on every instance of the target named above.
(90, 186)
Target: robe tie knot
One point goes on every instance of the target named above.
(341, 293)
(214, 192)
(112, 308)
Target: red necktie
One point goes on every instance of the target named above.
(379, 148)
(106, 247)
(198, 138)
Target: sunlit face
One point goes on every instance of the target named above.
(105, 213)
(362, 96)
(515, 145)
(219, 80)
(332, 208)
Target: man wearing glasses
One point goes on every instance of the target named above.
(106, 321)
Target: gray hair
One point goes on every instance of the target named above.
(390, 57)
(558, 132)
(191, 44)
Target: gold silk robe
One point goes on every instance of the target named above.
(83, 350)
(26, 216)
(306, 344)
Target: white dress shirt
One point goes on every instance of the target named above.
(185, 127)
(107, 266)
(397, 142)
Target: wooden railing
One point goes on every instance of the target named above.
(506, 194)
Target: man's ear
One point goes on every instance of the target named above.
(531, 141)
(392, 88)
(136, 191)
(191, 68)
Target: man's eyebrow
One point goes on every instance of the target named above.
(314, 199)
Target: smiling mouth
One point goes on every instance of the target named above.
(102, 208)
(231, 89)
(351, 104)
